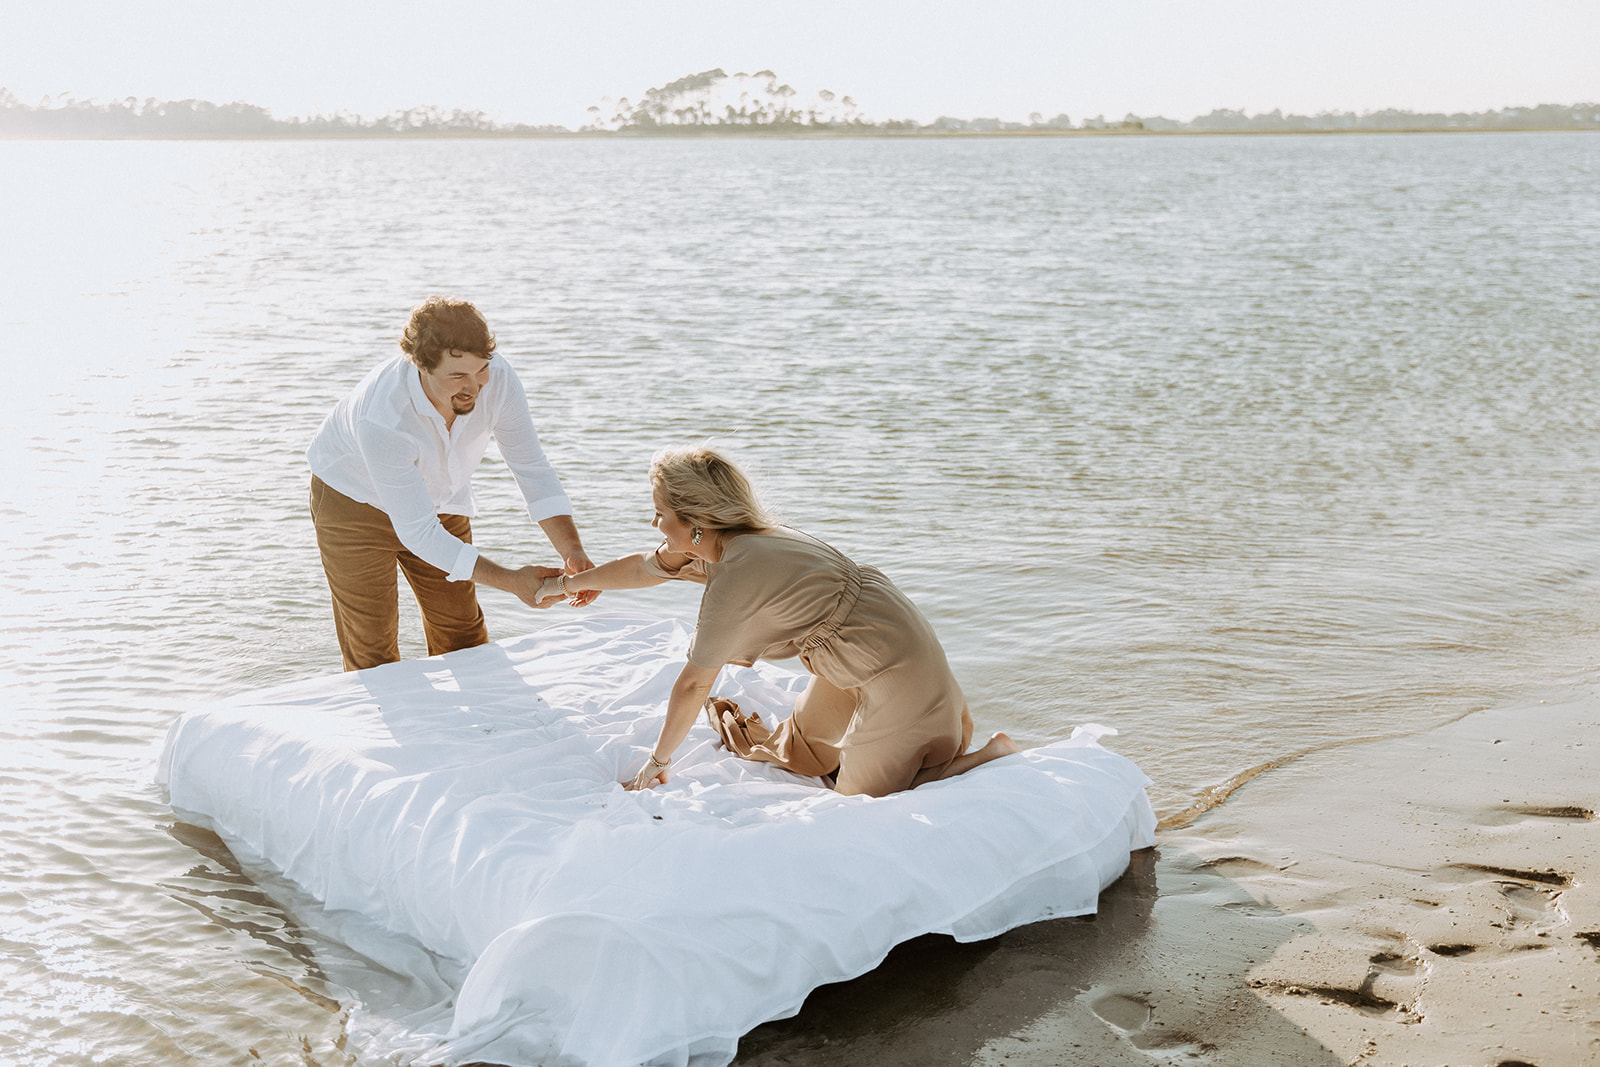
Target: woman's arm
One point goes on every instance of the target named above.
(689, 694)
(626, 573)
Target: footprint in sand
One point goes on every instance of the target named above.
(1395, 964)
(1392, 987)
(1452, 950)
(1132, 1017)
(1391, 969)
(1532, 906)
(1546, 877)
(1237, 866)
(1127, 1014)
(1251, 909)
(1514, 813)
(1532, 899)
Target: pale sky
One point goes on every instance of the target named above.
(541, 62)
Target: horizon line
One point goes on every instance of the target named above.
(63, 103)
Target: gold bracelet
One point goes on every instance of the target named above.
(562, 584)
(660, 763)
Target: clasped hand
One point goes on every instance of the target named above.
(526, 583)
(551, 589)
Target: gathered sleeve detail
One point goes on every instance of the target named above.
(693, 571)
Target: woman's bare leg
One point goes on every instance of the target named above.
(999, 745)
(825, 709)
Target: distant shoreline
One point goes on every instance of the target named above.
(747, 134)
(702, 106)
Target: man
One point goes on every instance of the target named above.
(391, 483)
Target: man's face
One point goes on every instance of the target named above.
(456, 381)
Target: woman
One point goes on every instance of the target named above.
(882, 710)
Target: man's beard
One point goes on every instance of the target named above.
(463, 406)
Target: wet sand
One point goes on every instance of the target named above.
(1423, 900)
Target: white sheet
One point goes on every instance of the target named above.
(470, 803)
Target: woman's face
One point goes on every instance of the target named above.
(674, 529)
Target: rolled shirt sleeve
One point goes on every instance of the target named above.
(519, 446)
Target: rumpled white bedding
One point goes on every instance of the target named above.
(470, 804)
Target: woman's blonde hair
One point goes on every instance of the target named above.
(705, 488)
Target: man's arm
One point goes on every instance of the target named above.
(547, 502)
(563, 534)
(391, 459)
(523, 583)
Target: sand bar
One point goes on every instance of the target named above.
(1421, 900)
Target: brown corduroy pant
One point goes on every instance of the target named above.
(359, 554)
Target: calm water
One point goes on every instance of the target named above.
(1244, 446)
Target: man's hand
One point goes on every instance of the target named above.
(525, 582)
(563, 534)
(577, 563)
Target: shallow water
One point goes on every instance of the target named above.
(1244, 446)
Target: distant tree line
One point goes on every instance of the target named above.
(712, 100)
(708, 103)
(1542, 117)
(67, 118)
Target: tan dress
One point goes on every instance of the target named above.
(884, 712)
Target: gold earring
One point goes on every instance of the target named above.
(694, 536)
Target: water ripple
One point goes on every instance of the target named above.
(1240, 445)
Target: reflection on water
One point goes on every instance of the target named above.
(221, 891)
(1244, 446)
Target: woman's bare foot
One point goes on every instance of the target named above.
(999, 745)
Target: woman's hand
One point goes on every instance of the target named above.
(549, 591)
(648, 777)
(683, 706)
(577, 563)
(529, 584)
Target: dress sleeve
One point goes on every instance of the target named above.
(693, 571)
(729, 627)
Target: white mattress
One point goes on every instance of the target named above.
(468, 804)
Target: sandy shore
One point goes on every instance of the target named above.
(1429, 900)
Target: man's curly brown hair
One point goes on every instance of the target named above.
(440, 324)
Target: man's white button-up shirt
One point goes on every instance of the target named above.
(386, 445)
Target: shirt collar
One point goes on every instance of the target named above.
(419, 399)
